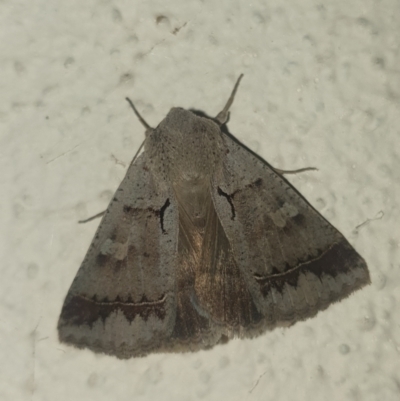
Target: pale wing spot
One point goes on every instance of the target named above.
(105, 247)
(282, 215)
(115, 249)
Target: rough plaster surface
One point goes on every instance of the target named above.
(321, 88)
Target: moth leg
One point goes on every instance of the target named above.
(148, 129)
(104, 211)
(93, 217)
(222, 116)
(300, 170)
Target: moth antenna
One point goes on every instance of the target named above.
(141, 119)
(222, 116)
(137, 153)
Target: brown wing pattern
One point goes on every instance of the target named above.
(292, 260)
(213, 302)
(185, 266)
(122, 301)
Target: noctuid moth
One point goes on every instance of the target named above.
(203, 241)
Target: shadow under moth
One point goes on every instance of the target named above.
(203, 241)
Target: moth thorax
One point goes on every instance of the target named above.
(185, 146)
(198, 157)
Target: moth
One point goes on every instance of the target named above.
(203, 241)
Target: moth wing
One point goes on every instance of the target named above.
(122, 300)
(216, 304)
(294, 262)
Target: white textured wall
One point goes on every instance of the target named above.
(321, 88)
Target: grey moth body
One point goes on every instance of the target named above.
(202, 242)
